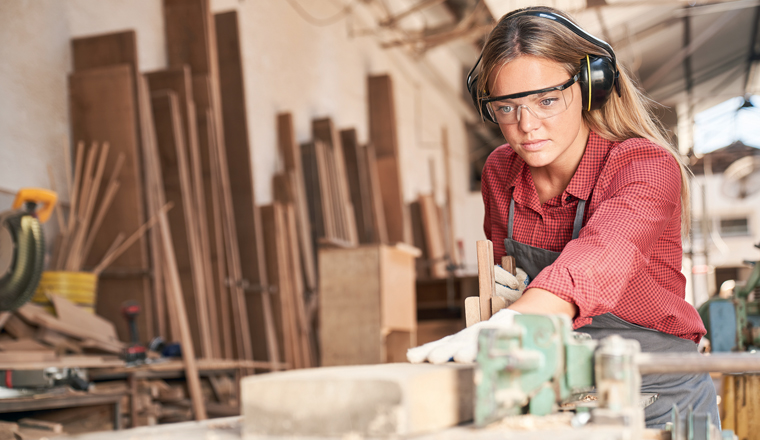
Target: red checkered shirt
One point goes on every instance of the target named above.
(627, 259)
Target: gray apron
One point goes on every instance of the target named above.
(683, 390)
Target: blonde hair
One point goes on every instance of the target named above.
(629, 115)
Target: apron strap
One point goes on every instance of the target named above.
(578, 222)
(511, 217)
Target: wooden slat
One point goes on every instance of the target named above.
(103, 107)
(358, 183)
(451, 242)
(324, 130)
(305, 341)
(383, 135)
(434, 238)
(71, 314)
(239, 165)
(177, 187)
(291, 155)
(379, 228)
(486, 282)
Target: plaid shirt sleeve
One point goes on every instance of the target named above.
(627, 259)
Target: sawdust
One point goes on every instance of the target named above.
(529, 422)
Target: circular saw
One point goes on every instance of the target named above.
(22, 246)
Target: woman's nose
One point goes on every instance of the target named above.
(526, 120)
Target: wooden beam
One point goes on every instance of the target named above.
(486, 281)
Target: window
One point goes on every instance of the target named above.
(734, 227)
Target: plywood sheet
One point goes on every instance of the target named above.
(349, 286)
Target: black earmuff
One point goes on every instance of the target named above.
(598, 75)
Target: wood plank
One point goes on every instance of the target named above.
(396, 216)
(177, 187)
(379, 228)
(103, 107)
(71, 314)
(486, 281)
(275, 247)
(11, 357)
(358, 184)
(18, 328)
(425, 397)
(36, 315)
(383, 135)
(303, 323)
(23, 345)
(229, 226)
(291, 155)
(451, 242)
(239, 162)
(188, 354)
(324, 130)
(349, 288)
(434, 238)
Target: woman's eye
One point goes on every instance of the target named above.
(546, 102)
(504, 109)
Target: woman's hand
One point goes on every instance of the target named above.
(537, 301)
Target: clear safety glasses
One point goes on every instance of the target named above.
(542, 104)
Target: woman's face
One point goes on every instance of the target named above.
(558, 140)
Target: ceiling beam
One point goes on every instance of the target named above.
(695, 44)
(754, 48)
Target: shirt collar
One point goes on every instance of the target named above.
(585, 176)
(580, 185)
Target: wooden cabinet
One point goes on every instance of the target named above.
(367, 309)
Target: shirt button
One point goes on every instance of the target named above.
(568, 198)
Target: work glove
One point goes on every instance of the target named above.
(459, 347)
(508, 286)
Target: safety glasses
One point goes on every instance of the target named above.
(542, 104)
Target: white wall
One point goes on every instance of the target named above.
(289, 65)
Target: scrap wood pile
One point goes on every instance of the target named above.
(72, 338)
(150, 401)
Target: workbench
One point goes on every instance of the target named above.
(58, 400)
(230, 428)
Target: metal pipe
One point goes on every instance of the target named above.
(661, 363)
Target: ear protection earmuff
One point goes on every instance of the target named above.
(598, 75)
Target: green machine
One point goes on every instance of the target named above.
(539, 366)
(733, 324)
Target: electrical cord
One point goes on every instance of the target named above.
(327, 21)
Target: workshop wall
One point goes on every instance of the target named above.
(289, 65)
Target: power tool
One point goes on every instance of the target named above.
(22, 246)
(135, 352)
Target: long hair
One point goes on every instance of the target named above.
(629, 115)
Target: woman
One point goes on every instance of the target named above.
(587, 195)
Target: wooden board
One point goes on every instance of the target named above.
(178, 189)
(325, 131)
(434, 237)
(71, 314)
(486, 281)
(396, 217)
(358, 184)
(379, 228)
(103, 108)
(383, 135)
(36, 315)
(291, 155)
(349, 289)
(239, 164)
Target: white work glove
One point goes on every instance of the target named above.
(508, 286)
(461, 347)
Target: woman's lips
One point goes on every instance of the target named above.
(534, 145)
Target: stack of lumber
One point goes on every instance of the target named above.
(150, 401)
(33, 338)
(28, 428)
(173, 149)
